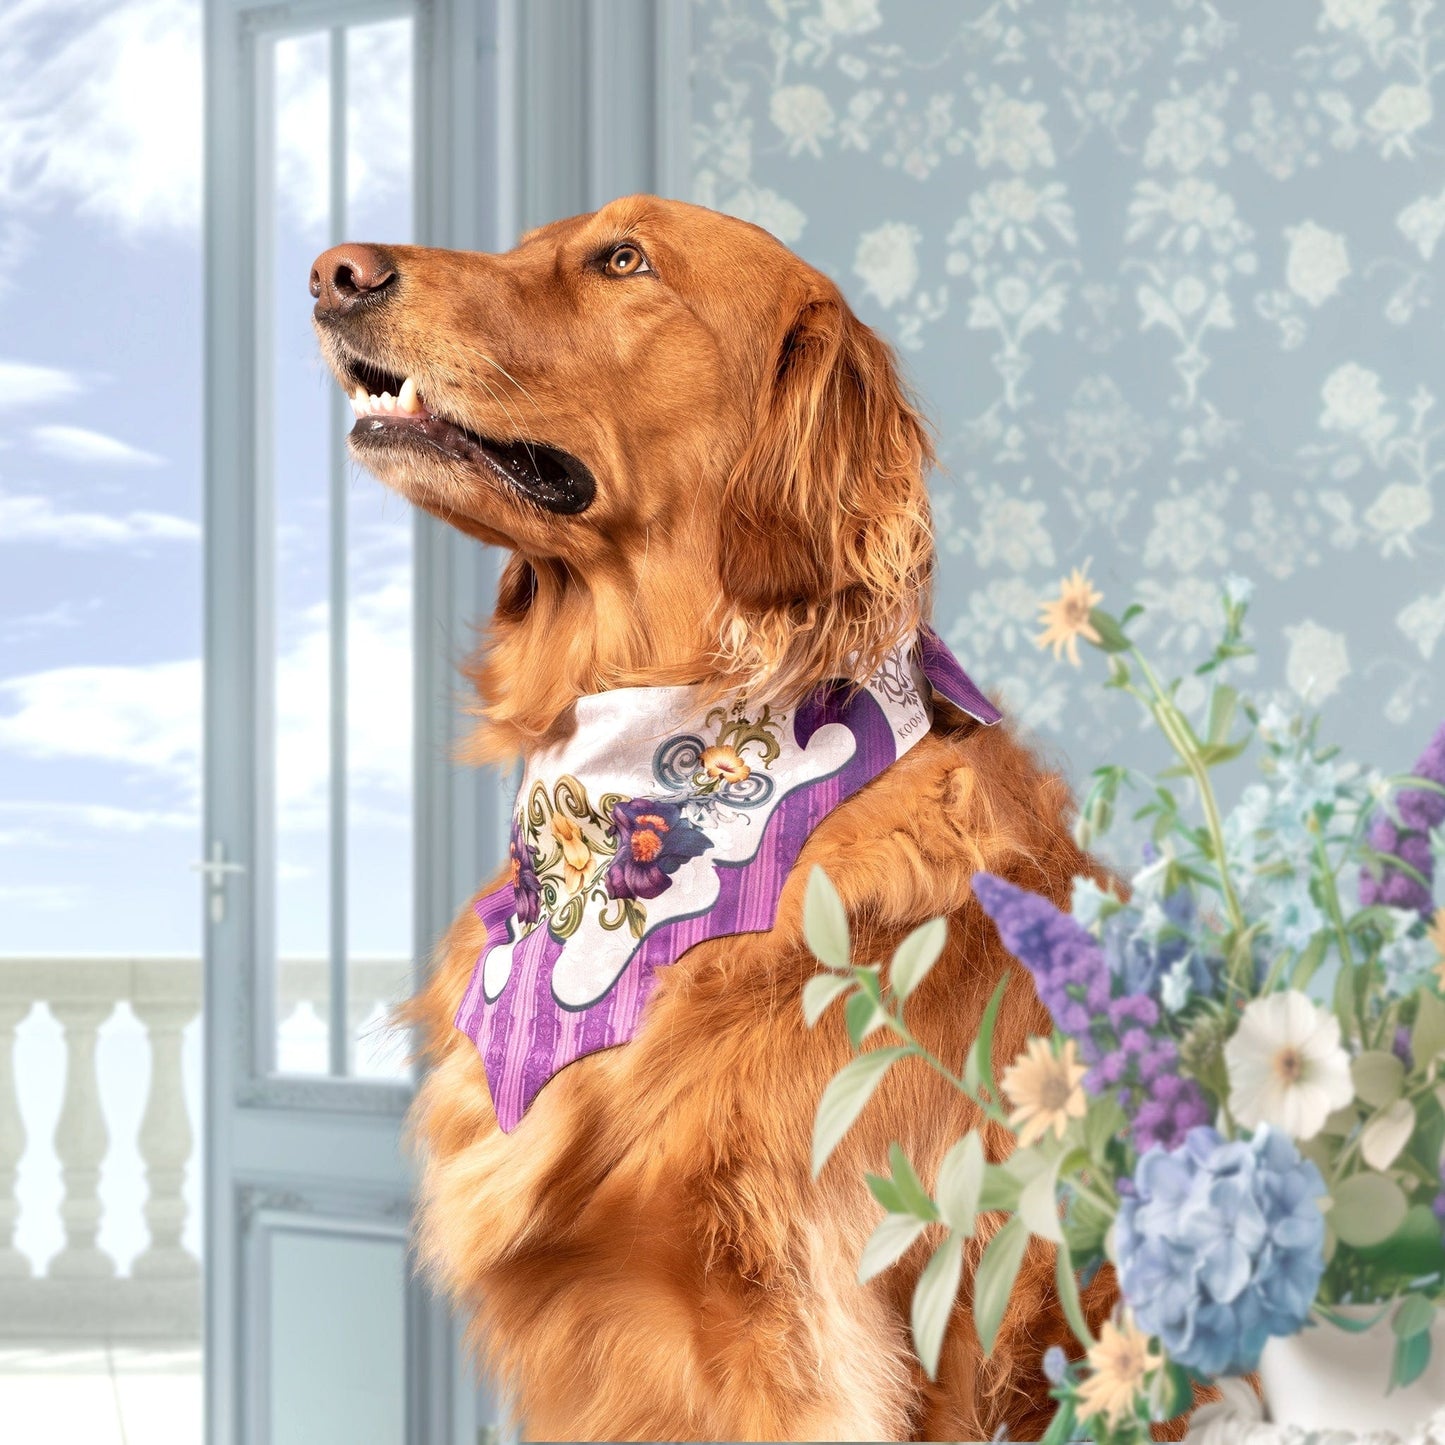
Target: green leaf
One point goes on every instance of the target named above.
(1068, 1288)
(1223, 703)
(886, 1192)
(979, 1069)
(910, 1186)
(1427, 1039)
(1368, 1209)
(1102, 1122)
(1379, 1076)
(1415, 1315)
(933, 1301)
(1039, 1204)
(994, 1281)
(1000, 1190)
(863, 1015)
(1385, 1136)
(843, 1100)
(888, 1244)
(1412, 1357)
(825, 921)
(819, 992)
(1111, 636)
(1307, 964)
(1415, 1249)
(1178, 1392)
(960, 1183)
(913, 958)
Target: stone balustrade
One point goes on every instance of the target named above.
(80, 1292)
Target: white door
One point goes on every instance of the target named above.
(340, 840)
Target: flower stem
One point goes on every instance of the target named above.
(1176, 730)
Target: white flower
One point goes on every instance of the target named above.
(887, 261)
(1423, 223)
(1186, 134)
(1399, 111)
(850, 17)
(1286, 1066)
(1318, 261)
(1318, 661)
(765, 208)
(1011, 133)
(1423, 623)
(1360, 15)
(803, 114)
(1399, 510)
(1353, 400)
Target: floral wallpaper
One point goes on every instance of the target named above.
(1167, 278)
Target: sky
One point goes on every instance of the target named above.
(101, 484)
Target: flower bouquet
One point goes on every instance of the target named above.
(1241, 1106)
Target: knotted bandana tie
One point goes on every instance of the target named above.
(663, 821)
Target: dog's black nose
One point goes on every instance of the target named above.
(346, 276)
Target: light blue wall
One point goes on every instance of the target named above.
(1167, 278)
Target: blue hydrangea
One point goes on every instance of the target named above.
(1220, 1245)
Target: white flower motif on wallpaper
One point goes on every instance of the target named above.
(1167, 279)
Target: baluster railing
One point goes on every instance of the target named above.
(81, 1140)
(80, 1292)
(13, 1264)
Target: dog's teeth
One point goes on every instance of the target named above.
(373, 403)
(408, 401)
(388, 401)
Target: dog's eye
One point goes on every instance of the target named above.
(626, 260)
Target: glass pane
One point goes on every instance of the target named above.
(379, 591)
(343, 814)
(301, 430)
(337, 1332)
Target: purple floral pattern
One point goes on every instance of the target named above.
(654, 839)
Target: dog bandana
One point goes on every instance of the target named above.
(661, 822)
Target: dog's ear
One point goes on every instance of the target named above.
(826, 513)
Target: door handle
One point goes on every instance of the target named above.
(215, 870)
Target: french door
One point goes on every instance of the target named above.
(340, 840)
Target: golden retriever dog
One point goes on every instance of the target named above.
(704, 470)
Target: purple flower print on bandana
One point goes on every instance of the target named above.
(526, 886)
(654, 840)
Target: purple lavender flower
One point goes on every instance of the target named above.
(1118, 1036)
(654, 840)
(1068, 966)
(526, 886)
(1419, 811)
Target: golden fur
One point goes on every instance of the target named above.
(646, 1256)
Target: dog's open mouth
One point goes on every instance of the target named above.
(391, 413)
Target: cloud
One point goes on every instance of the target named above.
(47, 897)
(50, 824)
(38, 519)
(100, 107)
(23, 383)
(79, 444)
(147, 719)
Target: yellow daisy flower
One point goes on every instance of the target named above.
(1119, 1364)
(1046, 1091)
(1066, 617)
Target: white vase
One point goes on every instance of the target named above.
(1327, 1378)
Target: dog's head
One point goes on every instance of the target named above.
(703, 463)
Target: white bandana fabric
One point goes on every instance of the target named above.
(660, 822)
